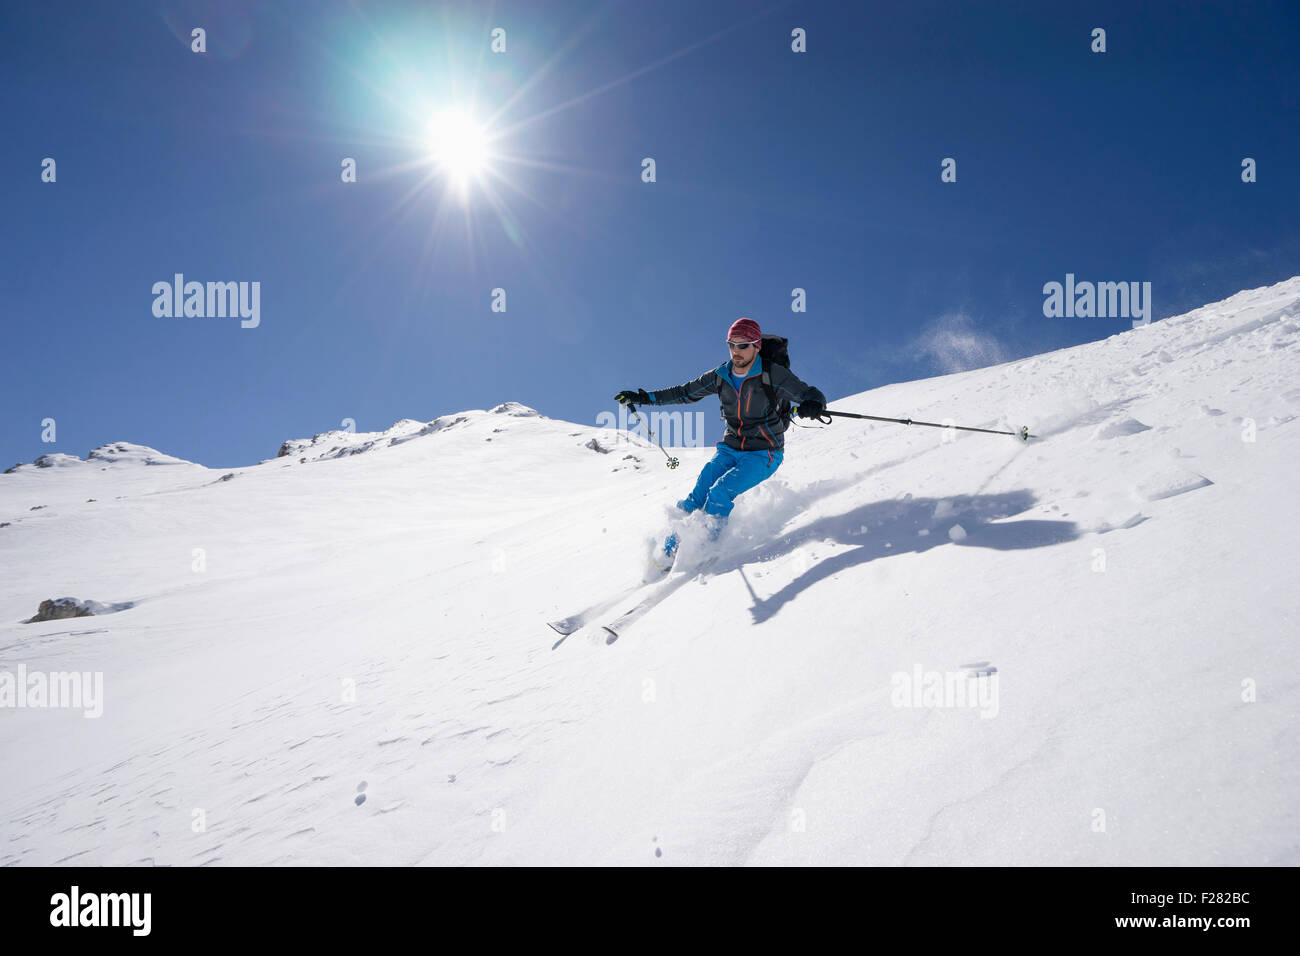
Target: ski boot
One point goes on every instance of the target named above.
(666, 553)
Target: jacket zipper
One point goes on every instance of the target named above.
(739, 409)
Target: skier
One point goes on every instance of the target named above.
(753, 447)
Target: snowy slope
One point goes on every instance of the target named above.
(339, 655)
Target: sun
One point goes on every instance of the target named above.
(459, 147)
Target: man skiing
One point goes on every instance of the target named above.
(753, 447)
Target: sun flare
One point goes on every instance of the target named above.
(459, 146)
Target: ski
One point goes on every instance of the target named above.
(613, 630)
(654, 593)
(576, 622)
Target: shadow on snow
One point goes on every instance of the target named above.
(896, 523)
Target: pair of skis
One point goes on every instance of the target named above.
(641, 599)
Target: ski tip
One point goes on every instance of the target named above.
(611, 635)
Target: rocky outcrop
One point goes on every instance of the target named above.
(56, 609)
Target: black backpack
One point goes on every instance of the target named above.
(776, 351)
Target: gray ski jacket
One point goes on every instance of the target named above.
(753, 423)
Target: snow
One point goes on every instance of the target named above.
(121, 452)
(339, 655)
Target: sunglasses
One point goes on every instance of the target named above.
(741, 345)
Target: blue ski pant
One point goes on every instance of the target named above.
(728, 474)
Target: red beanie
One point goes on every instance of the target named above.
(745, 330)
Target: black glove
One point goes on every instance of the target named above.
(810, 409)
(628, 397)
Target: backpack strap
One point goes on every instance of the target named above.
(773, 401)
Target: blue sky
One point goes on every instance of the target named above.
(775, 170)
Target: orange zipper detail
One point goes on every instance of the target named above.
(739, 409)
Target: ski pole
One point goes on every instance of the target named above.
(672, 462)
(1023, 434)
